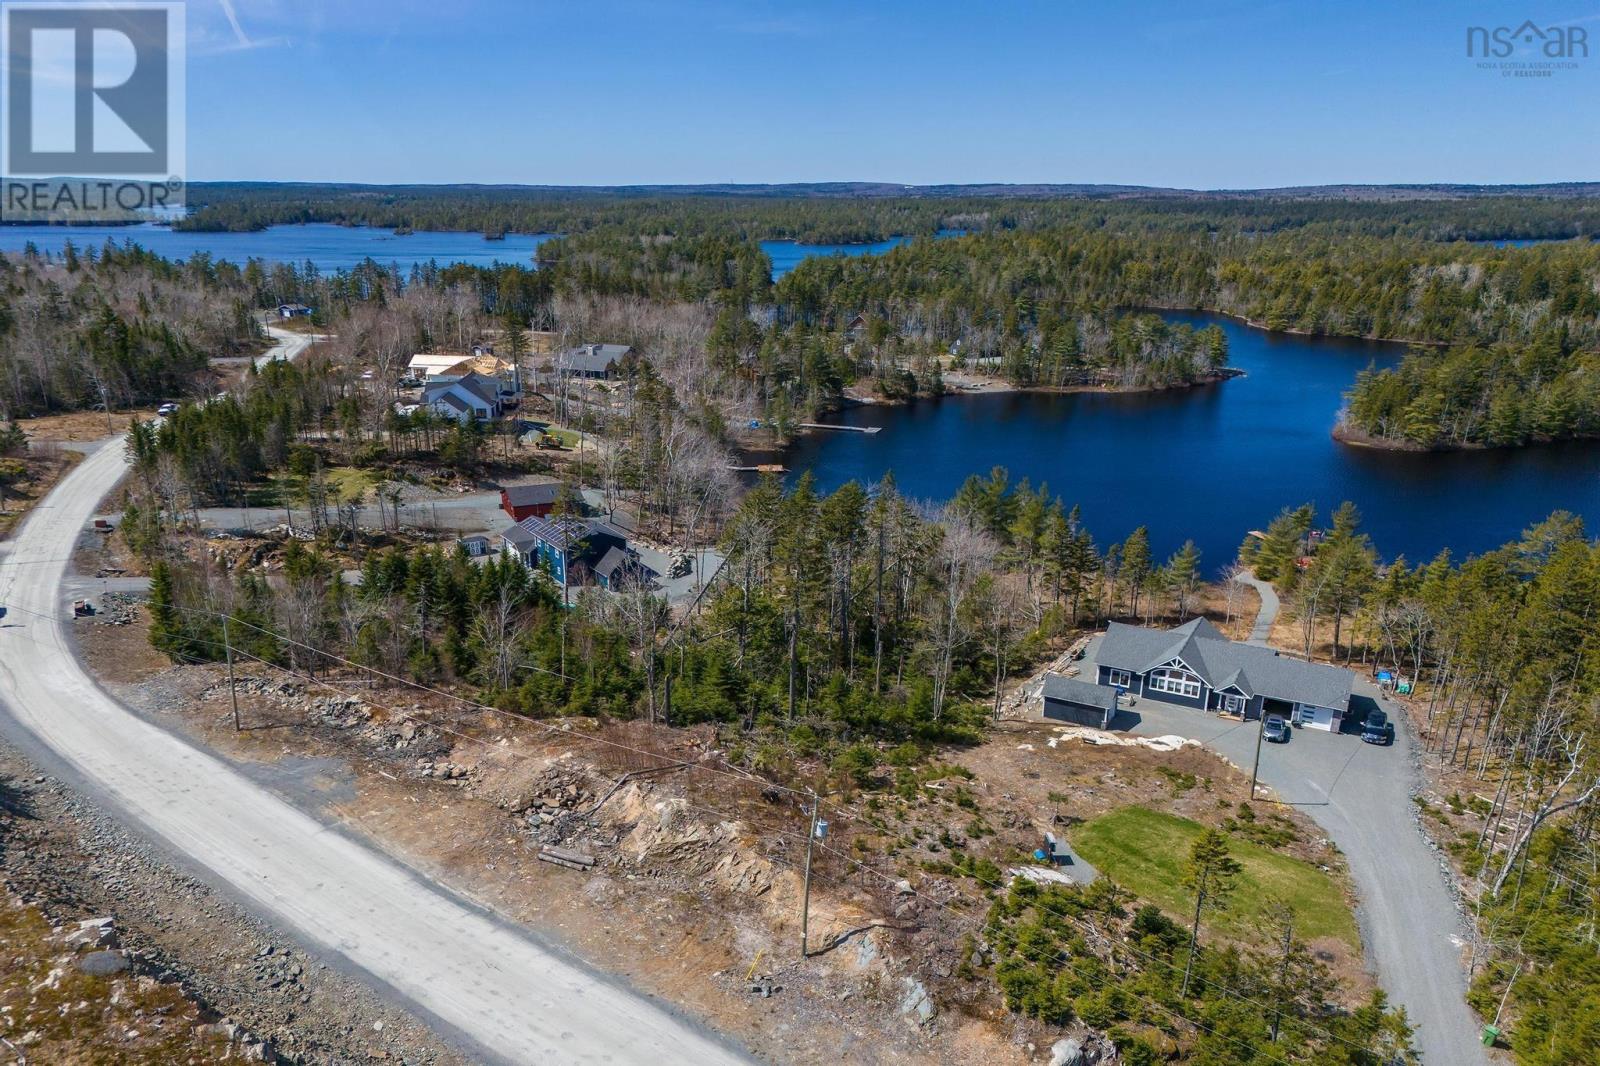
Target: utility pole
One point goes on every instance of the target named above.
(233, 690)
(1261, 728)
(805, 905)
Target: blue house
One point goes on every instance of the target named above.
(1196, 666)
(575, 551)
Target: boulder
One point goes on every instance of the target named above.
(916, 1004)
(103, 963)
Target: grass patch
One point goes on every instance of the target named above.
(568, 438)
(1144, 852)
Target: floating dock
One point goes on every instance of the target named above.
(842, 429)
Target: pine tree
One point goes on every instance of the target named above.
(1213, 874)
(1183, 575)
(1137, 564)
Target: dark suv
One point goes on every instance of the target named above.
(1377, 729)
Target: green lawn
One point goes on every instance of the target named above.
(1144, 851)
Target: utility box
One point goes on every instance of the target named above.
(1490, 1035)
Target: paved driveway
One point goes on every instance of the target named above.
(1360, 795)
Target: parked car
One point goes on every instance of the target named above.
(167, 409)
(1275, 729)
(1377, 729)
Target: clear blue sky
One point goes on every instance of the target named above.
(1201, 93)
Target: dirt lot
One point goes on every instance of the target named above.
(474, 814)
(81, 426)
(46, 464)
(1055, 784)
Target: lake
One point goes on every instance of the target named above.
(334, 248)
(1213, 462)
(329, 246)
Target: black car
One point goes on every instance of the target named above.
(1275, 729)
(1377, 729)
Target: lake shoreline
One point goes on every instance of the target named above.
(1290, 332)
(1352, 437)
(978, 385)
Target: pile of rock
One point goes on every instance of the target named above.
(341, 712)
(117, 609)
(277, 968)
(444, 770)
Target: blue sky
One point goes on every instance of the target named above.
(1214, 94)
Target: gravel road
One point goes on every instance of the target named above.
(511, 997)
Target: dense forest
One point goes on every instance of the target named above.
(1507, 652)
(1500, 396)
(116, 326)
(865, 212)
(1043, 290)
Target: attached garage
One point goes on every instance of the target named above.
(1325, 718)
(1067, 699)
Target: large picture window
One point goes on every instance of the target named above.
(1174, 683)
(1119, 678)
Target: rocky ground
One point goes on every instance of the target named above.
(687, 883)
(210, 981)
(69, 994)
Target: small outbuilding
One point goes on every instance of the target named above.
(526, 501)
(1066, 699)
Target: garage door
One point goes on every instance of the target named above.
(1317, 717)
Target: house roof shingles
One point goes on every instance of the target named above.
(519, 538)
(535, 495)
(1084, 693)
(452, 401)
(483, 389)
(592, 358)
(1221, 663)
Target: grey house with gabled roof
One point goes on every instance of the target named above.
(596, 361)
(1196, 666)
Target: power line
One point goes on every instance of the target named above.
(744, 778)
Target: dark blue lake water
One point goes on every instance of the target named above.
(1213, 462)
(330, 247)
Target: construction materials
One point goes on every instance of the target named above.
(572, 860)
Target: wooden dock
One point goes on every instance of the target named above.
(842, 429)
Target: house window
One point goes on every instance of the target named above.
(1174, 683)
(1119, 678)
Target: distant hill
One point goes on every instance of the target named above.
(867, 189)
